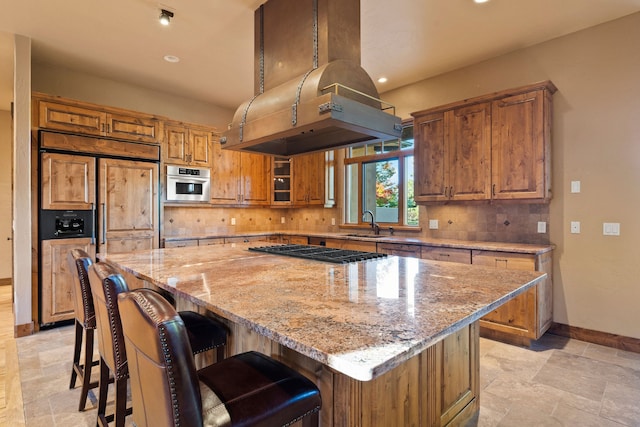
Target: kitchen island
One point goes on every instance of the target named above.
(391, 341)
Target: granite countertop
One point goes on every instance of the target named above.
(445, 243)
(361, 319)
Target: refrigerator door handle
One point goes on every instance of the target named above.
(104, 223)
(93, 224)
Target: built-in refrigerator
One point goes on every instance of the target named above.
(95, 194)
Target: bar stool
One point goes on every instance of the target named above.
(106, 283)
(247, 389)
(85, 321)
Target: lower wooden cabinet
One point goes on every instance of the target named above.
(399, 249)
(56, 292)
(180, 243)
(528, 316)
(354, 245)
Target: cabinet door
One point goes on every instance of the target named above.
(519, 315)
(308, 179)
(200, 147)
(461, 256)
(68, 182)
(255, 174)
(468, 136)
(133, 128)
(56, 290)
(71, 119)
(225, 176)
(175, 146)
(519, 146)
(127, 216)
(431, 152)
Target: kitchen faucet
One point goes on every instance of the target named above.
(375, 227)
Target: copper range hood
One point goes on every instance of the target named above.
(311, 94)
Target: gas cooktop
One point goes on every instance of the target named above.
(318, 253)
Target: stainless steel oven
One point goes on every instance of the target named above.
(185, 184)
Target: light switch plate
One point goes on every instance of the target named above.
(233, 221)
(333, 221)
(542, 227)
(575, 227)
(575, 186)
(433, 224)
(611, 228)
(282, 220)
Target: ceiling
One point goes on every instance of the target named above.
(403, 40)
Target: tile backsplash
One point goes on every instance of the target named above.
(512, 223)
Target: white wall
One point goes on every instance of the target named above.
(5, 194)
(596, 139)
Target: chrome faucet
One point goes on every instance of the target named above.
(375, 227)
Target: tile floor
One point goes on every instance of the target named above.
(558, 382)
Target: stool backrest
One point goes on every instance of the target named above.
(79, 262)
(164, 383)
(106, 283)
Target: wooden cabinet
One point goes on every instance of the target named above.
(239, 178)
(528, 315)
(520, 147)
(453, 153)
(281, 178)
(89, 119)
(309, 179)
(57, 280)
(67, 182)
(435, 253)
(399, 249)
(128, 196)
(187, 144)
(180, 243)
(355, 245)
(490, 147)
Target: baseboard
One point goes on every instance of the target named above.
(5, 282)
(602, 338)
(24, 330)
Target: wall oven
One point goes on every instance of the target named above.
(188, 184)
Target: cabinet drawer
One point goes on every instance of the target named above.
(462, 256)
(209, 242)
(245, 239)
(399, 249)
(296, 240)
(180, 243)
(354, 245)
(511, 261)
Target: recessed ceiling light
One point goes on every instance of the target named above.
(382, 80)
(171, 58)
(480, 1)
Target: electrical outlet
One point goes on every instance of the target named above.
(433, 224)
(575, 227)
(282, 220)
(611, 228)
(333, 221)
(575, 186)
(542, 227)
(233, 221)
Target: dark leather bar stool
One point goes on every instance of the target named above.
(85, 321)
(248, 389)
(106, 283)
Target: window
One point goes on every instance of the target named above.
(379, 177)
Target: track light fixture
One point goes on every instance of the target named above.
(165, 16)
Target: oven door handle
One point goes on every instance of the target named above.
(93, 224)
(104, 223)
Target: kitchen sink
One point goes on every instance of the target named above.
(368, 236)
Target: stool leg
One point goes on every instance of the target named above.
(121, 401)
(86, 372)
(220, 353)
(102, 395)
(76, 354)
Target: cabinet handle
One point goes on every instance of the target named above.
(102, 127)
(450, 192)
(444, 254)
(493, 190)
(445, 192)
(108, 128)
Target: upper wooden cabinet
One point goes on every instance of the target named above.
(490, 147)
(187, 144)
(453, 153)
(88, 119)
(239, 178)
(308, 179)
(68, 182)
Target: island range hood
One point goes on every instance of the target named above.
(311, 94)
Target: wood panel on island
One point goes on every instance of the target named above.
(492, 147)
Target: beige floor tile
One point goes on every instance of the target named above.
(524, 393)
(622, 404)
(568, 416)
(527, 415)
